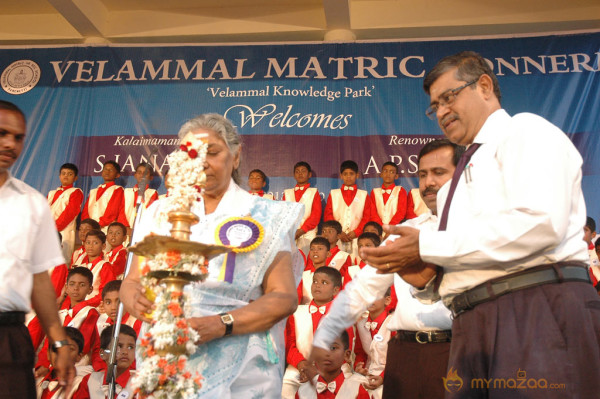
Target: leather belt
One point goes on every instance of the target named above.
(532, 277)
(12, 318)
(424, 337)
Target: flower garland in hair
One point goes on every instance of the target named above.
(163, 375)
(185, 177)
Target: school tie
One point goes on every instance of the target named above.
(462, 163)
(313, 309)
(298, 188)
(371, 325)
(346, 188)
(386, 191)
(321, 386)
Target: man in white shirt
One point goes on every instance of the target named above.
(418, 353)
(514, 264)
(28, 248)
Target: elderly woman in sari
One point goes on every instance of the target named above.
(240, 319)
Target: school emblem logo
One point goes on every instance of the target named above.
(20, 77)
(452, 382)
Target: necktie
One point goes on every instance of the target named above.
(462, 163)
(321, 386)
(371, 325)
(298, 188)
(387, 191)
(346, 188)
(313, 309)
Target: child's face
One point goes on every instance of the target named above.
(322, 289)
(301, 174)
(111, 304)
(388, 174)
(318, 254)
(379, 306)
(74, 354)
(67, 177)
(334, 358)
(78, 287)
(84, 228)
(371, 229)
(93, 246)
(331, 234)
(115, 236)
(255, 181)
(588, 234)
(139, 173)
(349, 177)
(125, 351)
(365, 242)
(109, 173)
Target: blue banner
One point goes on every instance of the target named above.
(321, 103)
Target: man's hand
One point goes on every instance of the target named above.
(373, 382)
(64, 368)
(395, 255)
(418, 276)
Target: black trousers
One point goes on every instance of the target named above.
(541, 342)
(16, 363)
(414, 370)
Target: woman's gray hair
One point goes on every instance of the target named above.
(220, 125)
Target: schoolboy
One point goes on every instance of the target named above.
(318, 254)
(48, 387)
(95, 242)
(105, 203)
(65, 203)
(85, 226)
(415, 206)
(366, 239)
(78, 314)
(331, 230)
(143, 170)
(92, 385)
(110, 305)
(257, 180)
(387, 204)
(373, 227)
(348, 205)
(117, 256)
(309, 196)
(325, 285)
(374, 335)
(335, 380)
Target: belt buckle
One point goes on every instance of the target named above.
(427, 333)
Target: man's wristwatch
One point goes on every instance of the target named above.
(60, 344)
(227, 319)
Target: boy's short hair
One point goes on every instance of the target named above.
(349, 164)
(591, 224)
(302, 163)
(377, 226)
(390, 163)
(320, 241)
(345, 338)
(334, 224)
(332, 273)
(107, 334)
(597, 244)
(76, 336)
(82, 271)
(69, 166)
(115, 164)
(146, 165)
(375, 239)
(260, 172)
(95, 225)
(111, 286)
(96, 233)
(121, 225)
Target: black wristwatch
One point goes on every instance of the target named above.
(227, 319)
(59, 344)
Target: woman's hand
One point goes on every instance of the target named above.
(208, 327)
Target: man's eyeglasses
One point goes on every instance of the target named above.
(446, 99)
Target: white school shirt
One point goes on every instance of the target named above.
(368, 286)
(28, 243)
(521, 207)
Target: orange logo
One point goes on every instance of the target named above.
(452, 382)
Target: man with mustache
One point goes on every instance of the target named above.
(28, 248)
(417, 356)
(514, 267)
